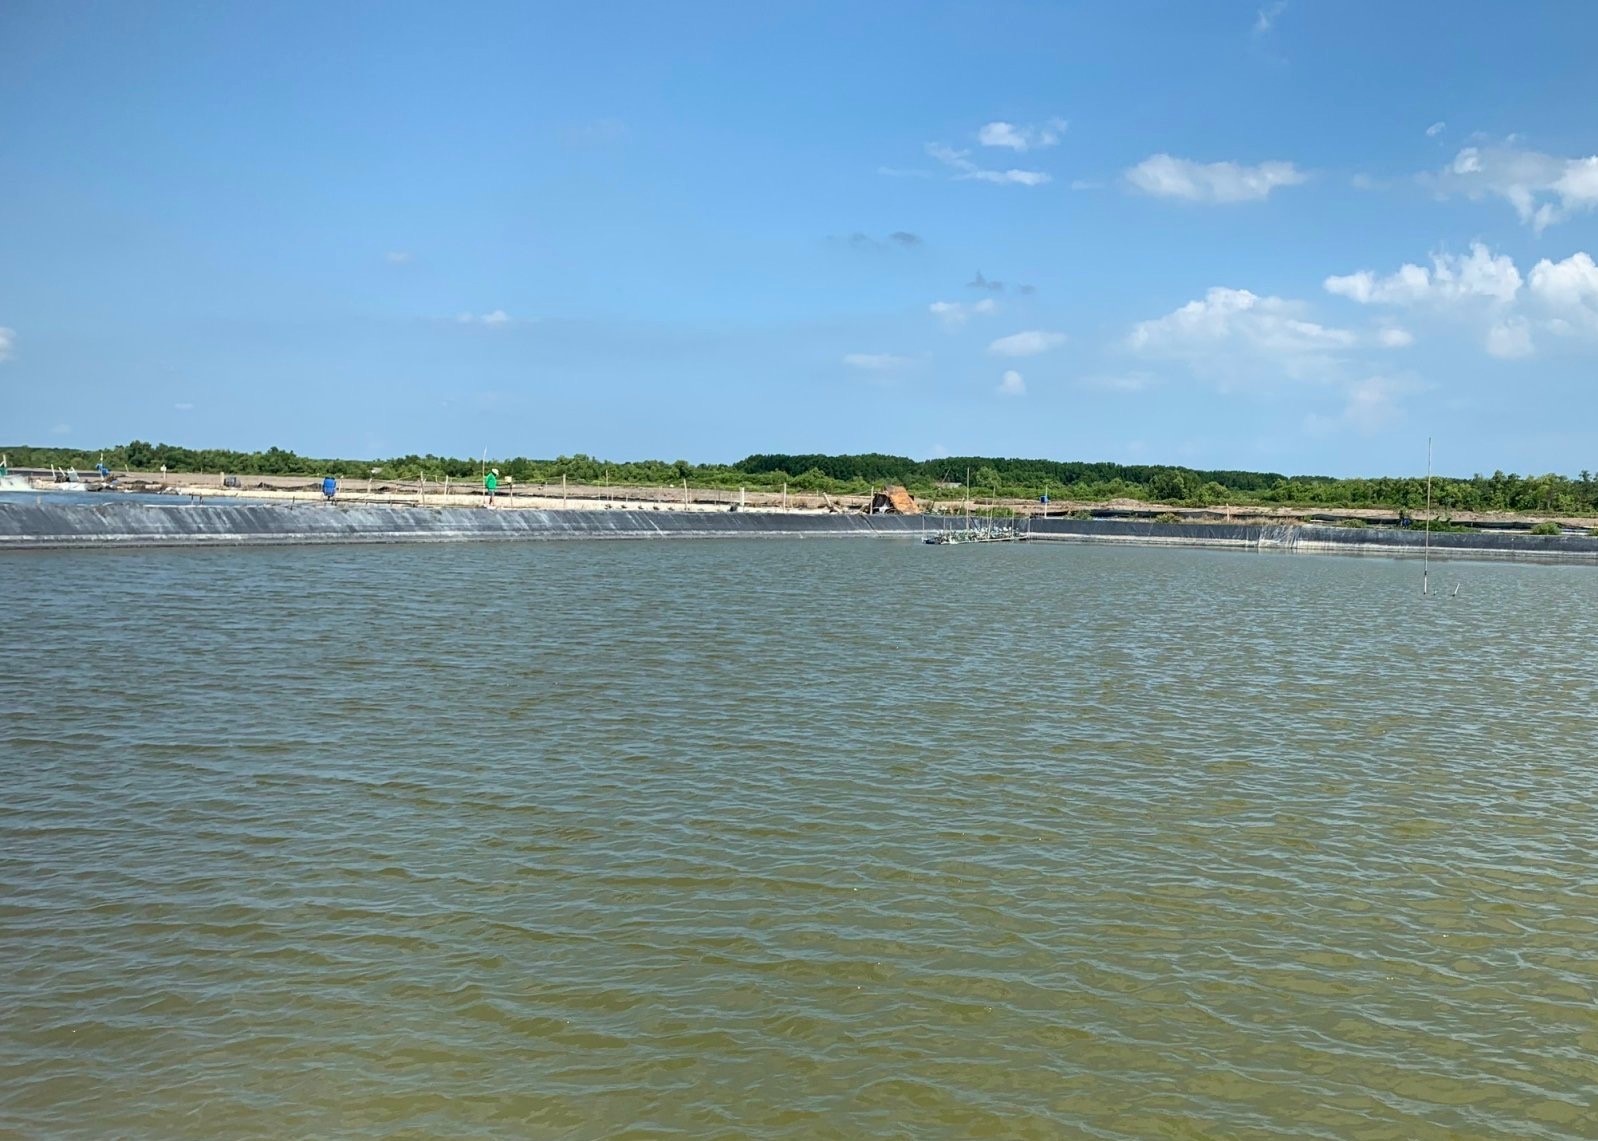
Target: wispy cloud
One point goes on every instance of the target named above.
(1394, 337)
(61, 430)
(1509, 339)
(1370, 405)
(8, 340)
(497, 317)
(1165, 176)
(1436, 129)
(956, 313)
(397, 257)
(1120, 382)
(1024, 137)
(966, 170)
(1011, 384)
(877, 362)
(1542, 188)
(980, 282)
(1027, 344)
(903, 172)
(184, 406)
(1265, 19)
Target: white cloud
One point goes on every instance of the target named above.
(1027, 344)
(1165, 176)
(960, 162)
(902, 172)
(876, 362)
(1436, 129)
(957, 313)
(1478, 286)
(1411, 283)
(497, 317)
(1086, 184)
(1022, 138)
(61, 430)
(397, 257)
(1570, 289)
(1453, 278)
(1560, 297)
(1018, 177)
(1011, 384)
(1240, 341)
(1234, 323)
(184, 406)
(1542, 188)
(8, 339)
(1510, 338)
(1392, 337)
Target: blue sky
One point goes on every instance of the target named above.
(1302, 237)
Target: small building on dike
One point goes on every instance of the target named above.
(894, 500)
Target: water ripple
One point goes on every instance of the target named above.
(795, 840)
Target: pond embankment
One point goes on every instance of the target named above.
(39, 523)
(1390, 542)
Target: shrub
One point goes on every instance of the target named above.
(1547, 527)
(1166, 517)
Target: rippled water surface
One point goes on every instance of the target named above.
(795, 840)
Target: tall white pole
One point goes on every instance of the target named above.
(1426, 557)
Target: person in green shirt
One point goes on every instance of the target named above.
(490, 486)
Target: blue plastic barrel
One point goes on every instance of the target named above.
(329, 487)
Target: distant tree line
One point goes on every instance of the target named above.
(937, 478)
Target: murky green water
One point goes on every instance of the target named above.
(795, 840)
